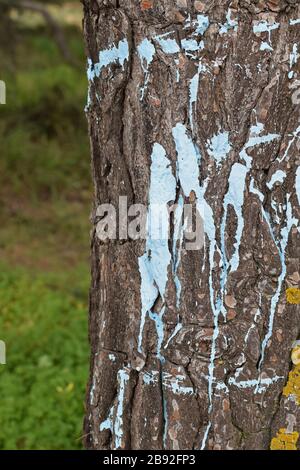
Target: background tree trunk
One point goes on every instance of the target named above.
(196, 102)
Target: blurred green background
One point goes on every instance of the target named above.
(45, 191)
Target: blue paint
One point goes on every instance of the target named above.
(114, 55)
(178, 328)
(146, 52)
(235, 198)
(193, 93)
(188, 159)
(294, 22)
(149, 293)
(205, 437)
(178, 238)
(256, 191)
(112, 357)
(229, 24)
(123, 378)
(201, 24)
(191, 45)
(293, 59)
(159, 326)
(265, 47)
(150, 378)
(177, 70)
(295, 135)
(169, 46)
(278, 177)
(219, 146)
(108, 423)
(265, 27)
(254, 140)
(175, 384)
(155, 262)
(297, 184)
(281, 246)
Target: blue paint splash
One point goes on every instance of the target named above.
(114, 55)
(265, 27)
(229, 24)
(169, 46)
(278, 177)
(219, 146)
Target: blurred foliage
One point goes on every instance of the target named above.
(45, 195)
(42, 386)
(44, 117)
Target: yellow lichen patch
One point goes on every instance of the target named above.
(293, 295)
(296, 356)
(285, 440)
(293, 385)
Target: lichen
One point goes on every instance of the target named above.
(296, 356)
(293, 385)
(285, 440)
(293, 295)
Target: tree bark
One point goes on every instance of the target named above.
(196, 102)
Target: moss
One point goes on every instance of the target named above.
(285, 440)
(293, 295)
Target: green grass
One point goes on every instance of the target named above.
(45, 199)
(42, 386)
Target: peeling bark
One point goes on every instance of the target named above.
(209, 89)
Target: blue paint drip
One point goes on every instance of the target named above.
(193, 93)
(178, 237)
(297, 184)
(294, 56)
(234, 198)
(188, 174)
(281, 246)
(155, 262)
(118, 425)
(254, 140)
(146, 52)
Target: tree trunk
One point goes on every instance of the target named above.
(196, 103)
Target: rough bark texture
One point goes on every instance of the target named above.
(211, 367)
